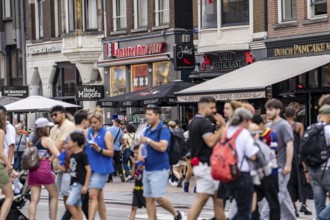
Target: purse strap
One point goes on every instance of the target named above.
(19, 143)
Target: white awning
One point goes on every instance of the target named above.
(249, 82)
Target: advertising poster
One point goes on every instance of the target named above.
(117, 80)
(139, 79)
(162, 73)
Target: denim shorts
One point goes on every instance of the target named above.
(63, 183)
(97, 181)
(74, 198)
(154, 183)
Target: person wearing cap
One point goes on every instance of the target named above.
(117, 134)
(59, 133)
(43, 176)
(9, 138)
(319, 177)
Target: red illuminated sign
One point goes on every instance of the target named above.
(140, 50)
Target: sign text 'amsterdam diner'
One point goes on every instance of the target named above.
(140, 50)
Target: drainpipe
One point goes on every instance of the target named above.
(105, 18)
(266, 15)
(23, 43)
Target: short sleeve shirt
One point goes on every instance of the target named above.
(198, 128)
(78, 162)
(157, 160)
(114, 131)
(245, 147)
(10, 138)
(284, 135)
(60, 133)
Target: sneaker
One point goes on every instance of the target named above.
(186, 187)
(128, 178)
(173, 183)
(122, 178)
(180, 216)
(304, 209)
(297, 213)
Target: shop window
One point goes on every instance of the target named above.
(284, 86)
(235, 12)
(139, 77)
(119, 15)
(292, 84)
(317, 8)
(15, 66)
(162, 12)
(90, 14)
(162, 73)
(209, 14)
(289, 10)
(6, 9)
(57, 17)
(66, 79)
(39, 19)
(313, 79)
(71, 16)
(302, 81)
(118, 80)
(325, 77)
(140, 13)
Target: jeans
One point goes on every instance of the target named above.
(18, 160)
(127, 157)
(320, 185)
(242, 190)
(85, 203)
(118, 164)
(269, 190)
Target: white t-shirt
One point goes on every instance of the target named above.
(244, 147)
(9, 138)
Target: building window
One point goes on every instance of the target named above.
(162, 12)
(90, 14)
(39, 19)
(325, 77)
(139, 77)
(288, 10)
(162, 73)
(235, 12)
(119, 15)
(318, 8)
(71, 16)
(58, 15)
(209, 14)
(118, 81)
(66, 79)
(313, 78)
(6, 6)
(140, 13)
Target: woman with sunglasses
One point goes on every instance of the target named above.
(43, 176)
(100, 151)
(5, 170)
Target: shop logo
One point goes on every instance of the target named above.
(140, 50)
(185, 56)
(87, 93)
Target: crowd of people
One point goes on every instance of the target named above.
(79, 155)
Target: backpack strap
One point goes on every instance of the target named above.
(160, 131)
(235, 135)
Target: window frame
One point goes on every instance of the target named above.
(311, 9)
(202, 16)
(39, 19)
(136, 15)
(58, 17)
(281, 12)
(236, 23)
(85, 16)
(3, 10)
(116, 19)
(158, 11)
(67, 7)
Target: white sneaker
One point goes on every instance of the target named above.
(173, 183)
(128, 178)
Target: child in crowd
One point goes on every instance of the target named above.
(137, 172)
(80, 174)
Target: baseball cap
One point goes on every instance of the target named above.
(325, 109)
(43, 122)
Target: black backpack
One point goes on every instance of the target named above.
(313, 146)
(177, 148)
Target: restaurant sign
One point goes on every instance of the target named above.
(138, 50)
(184, 56)
(224, 96)
(89, 93)
(297, 49)
(15, 91)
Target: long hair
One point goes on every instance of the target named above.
(3, 121)
(39, 133)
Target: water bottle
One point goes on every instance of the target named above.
(144, 150)
(17, 190)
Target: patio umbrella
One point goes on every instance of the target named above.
(36, 104)
(5, 100)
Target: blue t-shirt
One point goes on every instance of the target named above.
(114, 131)
(157, 160)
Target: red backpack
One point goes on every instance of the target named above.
(224, 159)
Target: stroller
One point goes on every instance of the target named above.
(19, 200)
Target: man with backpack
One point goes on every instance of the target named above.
(284, 156)
(315, 150)
(202, 139)
(154, 151)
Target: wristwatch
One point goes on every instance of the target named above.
(148, 140)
